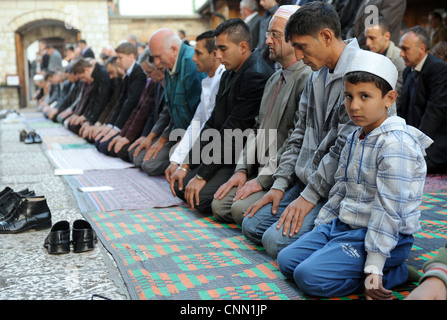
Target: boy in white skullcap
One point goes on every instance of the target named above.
(364, 233)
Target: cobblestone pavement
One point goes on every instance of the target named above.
(27, 271)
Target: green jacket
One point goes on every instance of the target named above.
(183, 89)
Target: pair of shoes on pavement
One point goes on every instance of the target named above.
(23, 210)
(83, 237)
(30, 137)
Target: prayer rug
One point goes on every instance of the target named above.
(85, 159)
(177, 253)
(56, 130)
(132, 189)
(435, 182)
(433, 232)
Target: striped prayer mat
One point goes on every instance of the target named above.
(176, 253)
(85, 159)
(132, 189)
(179, 254)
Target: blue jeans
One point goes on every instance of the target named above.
(329, 261)
(261, 228)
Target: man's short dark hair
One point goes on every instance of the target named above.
(436, 15)
(422, 34)
(210, 41)
(112, 61)
(366, 77)
(311, 18)
(236, 30)
(82, 41)
(383, 24)
(80, 65)
(49, 74)
(127, 48)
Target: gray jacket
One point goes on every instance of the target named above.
(282, 119)
(320, 134)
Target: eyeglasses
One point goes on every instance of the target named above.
(274, 34)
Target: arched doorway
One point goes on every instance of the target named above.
(54, 32)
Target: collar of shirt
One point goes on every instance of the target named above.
(420, 64)
(172, 71)
(129, 71)
(287, 73)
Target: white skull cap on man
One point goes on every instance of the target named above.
(286, 11)
(376, 64)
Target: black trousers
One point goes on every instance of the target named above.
(207, 193)
(435, 168)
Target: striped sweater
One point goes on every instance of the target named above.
(379, 185)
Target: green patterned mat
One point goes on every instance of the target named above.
(176, 253)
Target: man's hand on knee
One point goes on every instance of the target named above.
(293, 216)
(274, 196)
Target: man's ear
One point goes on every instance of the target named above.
(244, 46)
(327, 36)
(213, 54)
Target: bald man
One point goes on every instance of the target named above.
(183, 87)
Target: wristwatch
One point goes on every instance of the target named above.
(199, 177)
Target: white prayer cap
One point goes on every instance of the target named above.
(286, 11)
(376, 64)
(38, 77)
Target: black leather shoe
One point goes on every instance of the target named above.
(30, 213)
(9, 199)
(58, 240)
(37, 138)
(83, 236)
(32, 137)
(23, 135)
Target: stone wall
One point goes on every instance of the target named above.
(68, 19)
(142, 27)
(9, 98)
(90, 17)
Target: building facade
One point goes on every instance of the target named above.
(23, 22)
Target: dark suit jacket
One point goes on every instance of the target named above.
(430, 105)
(237, 105)
(134, 85)
(81, 107)
(100, 93)
(135, 124)
(254, 25)
(159, 117)
(71, 96)
(116, 91)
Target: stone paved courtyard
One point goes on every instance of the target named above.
(27, 271)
